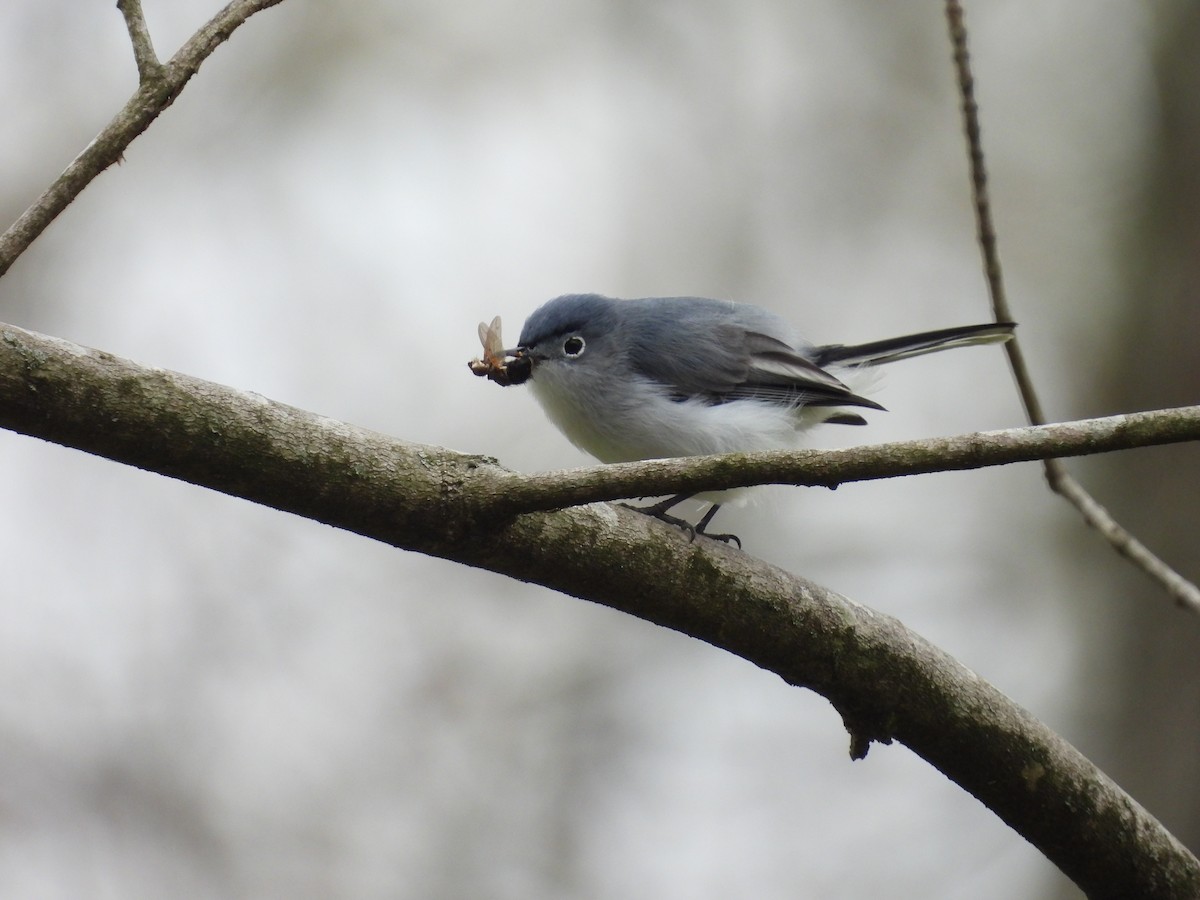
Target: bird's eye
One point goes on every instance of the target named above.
(573, 346)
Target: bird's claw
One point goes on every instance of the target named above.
(659, 511)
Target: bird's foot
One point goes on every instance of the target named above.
(660, 511)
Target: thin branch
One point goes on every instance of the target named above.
(831, 468)
(148, 65)
(1184, 592)
(1060, 480)
(152, 97)
(886, 682)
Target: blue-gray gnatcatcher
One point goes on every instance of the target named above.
(627, 380)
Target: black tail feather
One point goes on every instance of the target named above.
(892, 349)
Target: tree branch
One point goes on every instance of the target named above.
(831, 468)
(1059, 479)
(148, 65)
(886, 682)
(160, 85)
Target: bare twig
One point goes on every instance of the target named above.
(831, 468)
(151, 98)
(148, 65)
(1060, 480)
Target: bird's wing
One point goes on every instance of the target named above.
(780, 373)
(708, 354)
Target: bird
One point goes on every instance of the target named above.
(662, 377)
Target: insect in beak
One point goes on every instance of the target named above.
(502, 366)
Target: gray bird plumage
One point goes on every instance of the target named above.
(684, 376)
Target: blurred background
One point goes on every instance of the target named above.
(205, 698)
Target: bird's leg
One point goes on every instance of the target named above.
(660, 511)
(703, 524)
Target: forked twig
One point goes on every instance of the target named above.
(1184, 592)
(148, 65)
(159, 85)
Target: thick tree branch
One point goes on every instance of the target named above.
(160, 85)
(1058, 478)
(887, 683)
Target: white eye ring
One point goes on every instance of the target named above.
(574, 346)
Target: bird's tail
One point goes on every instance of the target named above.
(892, 349)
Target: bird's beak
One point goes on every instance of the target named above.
(521, 367)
